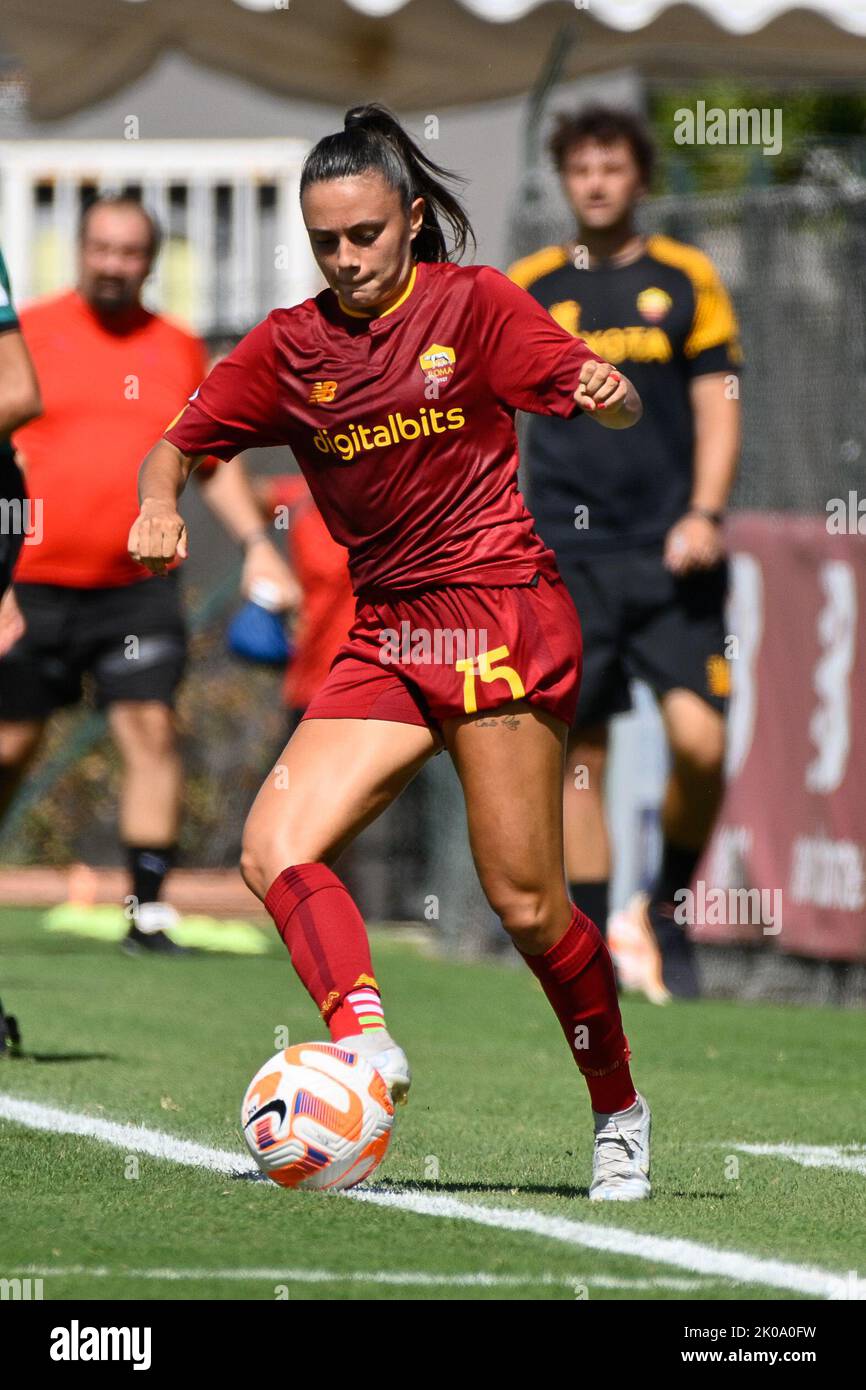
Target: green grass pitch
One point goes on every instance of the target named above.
(499, 1118)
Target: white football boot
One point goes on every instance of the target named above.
(389, 1060)
(148, 932)
(621, 1160)
(635, 950)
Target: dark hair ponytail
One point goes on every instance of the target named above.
(373, 138)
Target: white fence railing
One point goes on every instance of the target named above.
(235, 245)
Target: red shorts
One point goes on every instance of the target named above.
(445, 652)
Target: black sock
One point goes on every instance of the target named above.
(148, 868)
(676, 870)
(593, 898)
(679, 967)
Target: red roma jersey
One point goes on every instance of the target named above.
(403, 424)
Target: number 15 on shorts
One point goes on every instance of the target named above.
(481, 667)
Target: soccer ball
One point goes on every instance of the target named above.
(317, 1115)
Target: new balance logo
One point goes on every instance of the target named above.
(322, 392)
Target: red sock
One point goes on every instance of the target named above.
(577, 976)
(325, 936)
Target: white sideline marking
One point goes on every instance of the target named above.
(132, 1138)
(408, 1277)
(682, 1254)
(850, 1157)
(685, 1254)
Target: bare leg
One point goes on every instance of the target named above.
(152, 784)
(19, 744)
(510, 764)
(587, 848)
(333, 777)
(696, 734)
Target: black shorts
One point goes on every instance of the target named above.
(640, 622)
(131, 640)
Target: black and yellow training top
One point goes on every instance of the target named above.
(664, 319)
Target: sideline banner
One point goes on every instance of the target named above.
(793, 824)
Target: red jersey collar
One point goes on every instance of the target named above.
(397, 309)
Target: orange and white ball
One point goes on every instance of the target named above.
(317, 1115)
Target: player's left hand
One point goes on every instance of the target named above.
(601, 387)
(693, 543)
(263, 562)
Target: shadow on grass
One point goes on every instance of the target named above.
(468, 1189)
(520, 1189)
(61, 1057)
(459, 1188)
(505, 1189)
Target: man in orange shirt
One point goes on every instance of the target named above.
(112, 375)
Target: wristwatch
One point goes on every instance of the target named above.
(715, 517)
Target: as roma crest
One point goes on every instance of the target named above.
(654, 304)
(437, 363)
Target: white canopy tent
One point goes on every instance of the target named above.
(411, 53)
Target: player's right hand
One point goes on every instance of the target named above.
(158, 536)
(601, 387)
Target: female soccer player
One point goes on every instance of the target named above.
(396, 388)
